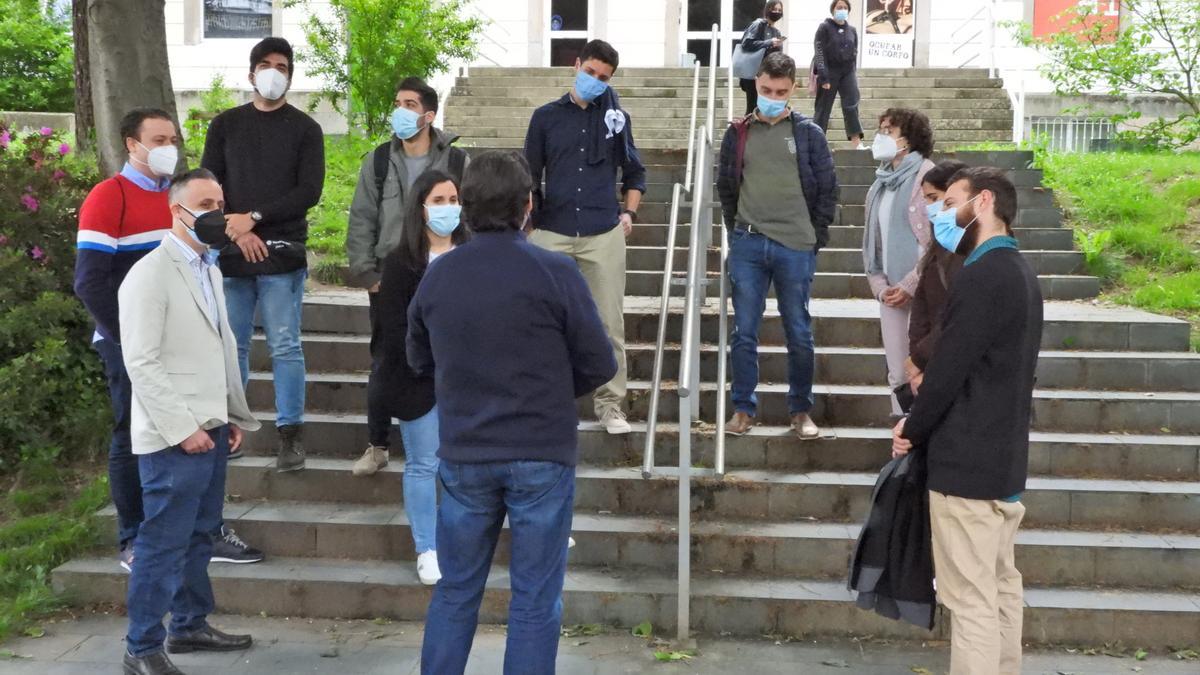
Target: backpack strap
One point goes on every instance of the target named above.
(380, 161)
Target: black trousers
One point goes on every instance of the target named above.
(751, 89)
(379, 418)
(842, 83)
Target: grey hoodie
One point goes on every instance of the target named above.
(374, 228)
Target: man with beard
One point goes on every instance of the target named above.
(972, 420)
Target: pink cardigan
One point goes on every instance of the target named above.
(919, 221)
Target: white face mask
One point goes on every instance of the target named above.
(161, 160)
(884, 148)
(270, 83)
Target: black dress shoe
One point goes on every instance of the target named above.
(207, 639)
(153, 664)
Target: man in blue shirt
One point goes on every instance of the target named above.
(578, 143)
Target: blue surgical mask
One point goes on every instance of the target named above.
(771, 108)
(842, 14)
(404, 123)
(443, 218)
(933, 209)
(946, 229)
(587, 87)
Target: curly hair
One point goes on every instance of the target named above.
(914, 125)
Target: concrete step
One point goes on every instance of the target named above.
(869, 90)
(844, 449)
(849, 212)
(950, 138)
(624, 82)
(805, 549)
(720, 604)
(843, 323)
(850, 236)
(753, 495)
(835, 404)
(458, 112)
(853, 186)
(563, 71)
(679, 130)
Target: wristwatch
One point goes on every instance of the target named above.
(632, 214)
(256, 216)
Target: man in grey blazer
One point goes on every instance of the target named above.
(189, 410)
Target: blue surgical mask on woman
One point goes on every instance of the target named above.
(588, 87)
(935, 208)
(443, 218)
(404, 123)
(771, 108)
(841, 14)
(946, 229)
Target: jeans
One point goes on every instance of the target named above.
(420, 478)
(183, 496)
(279, 298)
(755, 262)
(124, 481)
(379, 420)
(537, 498)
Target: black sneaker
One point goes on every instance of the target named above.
(229, 548)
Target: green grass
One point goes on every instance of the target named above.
(327, 222)
(42, 528)
(1137, 220)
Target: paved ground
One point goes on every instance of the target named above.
(91, 644)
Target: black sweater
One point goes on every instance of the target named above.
(409, 396)
(835, 47)
(512, 337)
(273, 163)
(973, 412)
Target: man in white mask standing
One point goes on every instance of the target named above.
(270, 159)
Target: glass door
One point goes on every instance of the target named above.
(733, 16)
(570, 29)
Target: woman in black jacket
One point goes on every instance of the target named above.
(431, 228)
(836, 55)
(762, 34)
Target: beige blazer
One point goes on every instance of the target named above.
(184, 373)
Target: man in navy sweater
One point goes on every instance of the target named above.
(972, 418)
(512, 337)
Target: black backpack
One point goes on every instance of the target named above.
(458, 162)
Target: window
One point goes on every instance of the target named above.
(237, 18)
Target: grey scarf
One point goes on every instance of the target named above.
(903, 247)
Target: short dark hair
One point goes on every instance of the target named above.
(180, 181)
(993, 180)
(429, 97)
(272, 45)
(771, 3)
(914, 125)
(940, 175)
(835, 3)
(601, 51)
(495, 191)
(778, 64)
(413, 249)
(131, 123)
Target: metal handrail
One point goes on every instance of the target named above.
(987, 12)
(696, 270)
(656, 383)
(687, 179)
(722, 366)
(710, 118)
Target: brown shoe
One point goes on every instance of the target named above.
(805, 428)
(739, 424)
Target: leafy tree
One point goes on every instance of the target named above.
(368, 46)
(1156, 51)
(36, 52)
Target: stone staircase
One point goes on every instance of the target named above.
(1110, 549)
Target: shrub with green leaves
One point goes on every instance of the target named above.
(37, 62)
(53, 396)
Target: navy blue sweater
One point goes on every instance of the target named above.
(512, 337)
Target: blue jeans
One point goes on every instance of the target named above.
(124, 481)
(537, 497)
(420, 478)
(183, 496)
(755, 262)
(280, 299)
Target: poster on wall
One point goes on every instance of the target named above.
(237, 18)
(888, 34)
(1054, 16)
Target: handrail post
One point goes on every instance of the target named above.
(711, 114)
(722, 344)
(656, 383)
(695, 270)
(687, 180)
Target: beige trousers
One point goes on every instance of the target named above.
(601, 259)
(977, 580)
(893, 321)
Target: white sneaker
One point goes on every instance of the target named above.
(427, 568)
(570, 543)
(862, 146)
(615, 423)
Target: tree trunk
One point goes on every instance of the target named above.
(127, 46)
(85, 120)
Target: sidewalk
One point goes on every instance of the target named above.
(92, 645)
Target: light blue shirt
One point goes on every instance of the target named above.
(130, 173)
(200, 265)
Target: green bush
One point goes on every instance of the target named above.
(53, 396)
(216, 99)
(37, 67)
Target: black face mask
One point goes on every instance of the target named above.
(209, 229)
(774, 16)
